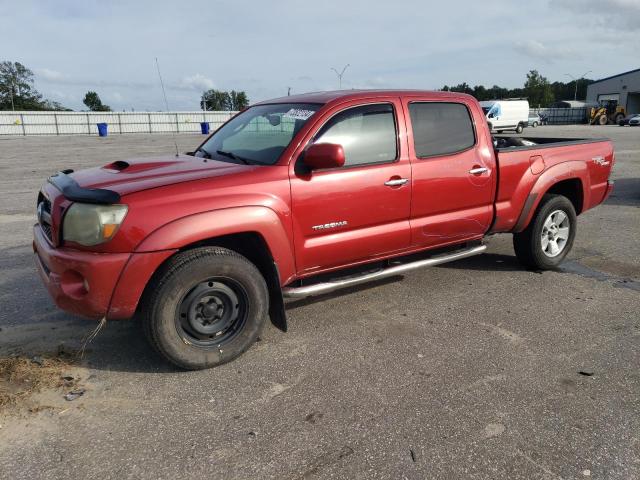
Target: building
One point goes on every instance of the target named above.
(624, 87)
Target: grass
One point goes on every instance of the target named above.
(21, 376)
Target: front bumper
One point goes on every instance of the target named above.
(81, 283)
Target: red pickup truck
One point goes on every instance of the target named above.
(300, 196)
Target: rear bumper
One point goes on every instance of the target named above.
(608, 190)
(81, 283)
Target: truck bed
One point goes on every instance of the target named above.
(529, 166)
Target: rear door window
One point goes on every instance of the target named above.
(441, 128)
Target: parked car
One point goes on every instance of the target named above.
(300, 196)
(632, 120)
(534, 120)
(504, 115)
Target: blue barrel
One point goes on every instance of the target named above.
(102, 129)
(204, 128)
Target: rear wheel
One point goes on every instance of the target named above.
(549, 237)
(519, 128)
(618, 118)
(205, 307)
(534, 124)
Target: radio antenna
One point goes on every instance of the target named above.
(166, 104)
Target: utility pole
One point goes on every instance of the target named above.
(575, 93)
(340, 74)
(288, 91)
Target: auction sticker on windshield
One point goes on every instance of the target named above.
(299, 114)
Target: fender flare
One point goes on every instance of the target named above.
(215, 223)
(574, 169)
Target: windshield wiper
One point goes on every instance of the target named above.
(233, 156)
(205, 153)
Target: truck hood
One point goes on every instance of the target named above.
(129, 176)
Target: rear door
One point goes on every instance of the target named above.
(453, 172)
(358, 212)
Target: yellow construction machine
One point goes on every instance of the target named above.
(607, 112)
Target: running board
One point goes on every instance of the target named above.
(326, 287)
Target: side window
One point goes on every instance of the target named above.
(441, 128)
(367, 134)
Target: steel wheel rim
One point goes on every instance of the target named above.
(212, 312)
(555, 233)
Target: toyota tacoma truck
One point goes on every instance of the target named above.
(300, 196)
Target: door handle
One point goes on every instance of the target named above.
(396, 182)
(478, 170)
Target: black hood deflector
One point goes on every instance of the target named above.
(74, 192)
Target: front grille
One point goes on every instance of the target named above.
(46, 229)
(44, 215)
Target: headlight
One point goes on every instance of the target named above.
(89, 224)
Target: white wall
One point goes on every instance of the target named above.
(85, 123)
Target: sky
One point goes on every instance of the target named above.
(265, 47)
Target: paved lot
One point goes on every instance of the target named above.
(469, 370)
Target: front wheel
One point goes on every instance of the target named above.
(205, 307)
(549, 237)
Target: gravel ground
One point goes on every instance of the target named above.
(468, 370)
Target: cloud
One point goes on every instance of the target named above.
(540, 51)
(197, 82)
(607, 14)
(50, 75)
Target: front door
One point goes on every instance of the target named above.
(358, 212)
(454, 173)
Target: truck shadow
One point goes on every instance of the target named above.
(303, 302)
(488, 262)
(626, 192)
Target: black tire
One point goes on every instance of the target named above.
(519, 128)
(205, 307)
(528, 244)
(618, 118)
(534, 124)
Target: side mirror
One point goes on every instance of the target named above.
(324, 155)
(491, 115)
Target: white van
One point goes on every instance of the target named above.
(506, 114)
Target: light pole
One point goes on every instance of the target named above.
(340, 74)
(575, 93)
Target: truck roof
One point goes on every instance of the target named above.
(343, 95)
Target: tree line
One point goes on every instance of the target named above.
(17, 92)
(537, 89)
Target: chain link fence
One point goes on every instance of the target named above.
(561, 116)
(85, 123)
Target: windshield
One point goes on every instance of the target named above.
(259, 135)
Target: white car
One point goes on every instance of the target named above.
(632, 120)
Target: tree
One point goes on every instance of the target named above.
(219, 100)
(239, 100)
(16, 88)
(93, 102)
(538, 90)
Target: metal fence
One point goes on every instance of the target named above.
(85, 123)
(561, 116)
